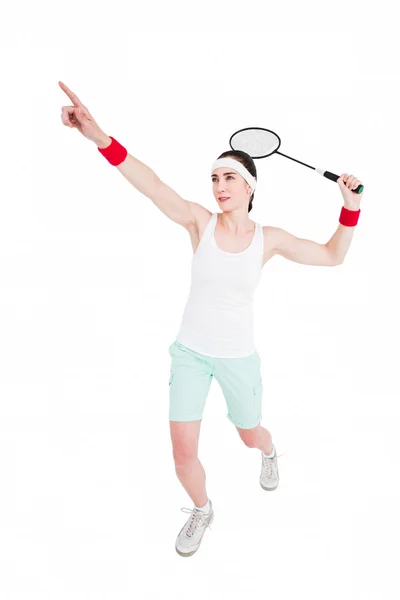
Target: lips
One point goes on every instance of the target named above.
(223, 198)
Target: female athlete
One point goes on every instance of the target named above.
(215, 339)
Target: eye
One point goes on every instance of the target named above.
(214, 180)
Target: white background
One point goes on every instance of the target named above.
(94, 280)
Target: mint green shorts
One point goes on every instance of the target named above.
(190, 379)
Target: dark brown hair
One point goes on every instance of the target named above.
(247, 162)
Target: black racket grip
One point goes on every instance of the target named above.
(334, 177)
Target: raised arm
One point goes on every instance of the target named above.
(307, 252)
(142, 177)
(303, 251)
(164, 197)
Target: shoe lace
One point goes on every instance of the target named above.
(198, 519)
(268, 463)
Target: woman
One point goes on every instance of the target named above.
(216, 334)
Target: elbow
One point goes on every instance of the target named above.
(336, 260)
(332, 259)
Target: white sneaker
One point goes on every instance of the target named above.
(269, 477)
(191, 534)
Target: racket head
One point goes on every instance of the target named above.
(258, 142)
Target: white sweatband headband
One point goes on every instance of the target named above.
(235, 164)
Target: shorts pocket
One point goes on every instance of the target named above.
(258, 388)
(257, 395)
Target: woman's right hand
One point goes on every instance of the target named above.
(78, 116)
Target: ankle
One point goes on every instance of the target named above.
(203, 501)
(269, 454)
(206, 508)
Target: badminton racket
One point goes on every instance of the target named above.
(259, 142)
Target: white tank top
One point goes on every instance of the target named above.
(218, 317)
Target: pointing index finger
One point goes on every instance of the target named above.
(73, 97)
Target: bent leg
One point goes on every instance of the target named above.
(256, 437)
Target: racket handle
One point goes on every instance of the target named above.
(334, 177)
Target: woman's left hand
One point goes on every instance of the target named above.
(347, 183)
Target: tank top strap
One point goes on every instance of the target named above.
(205, 239)
(211, 224)
(259, 239)
(209, 230)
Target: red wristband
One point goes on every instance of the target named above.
(349, 217)
(114, 153)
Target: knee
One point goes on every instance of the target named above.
(249, 436)
(183, 455)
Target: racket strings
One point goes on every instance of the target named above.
(255, 142)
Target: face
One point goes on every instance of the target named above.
(229, 183)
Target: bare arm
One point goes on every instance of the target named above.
(308, 252)
(143, 178)
(299, 250)
(340, 241)
(147, 182)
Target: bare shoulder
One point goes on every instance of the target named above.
(271, 235)
(201, 217)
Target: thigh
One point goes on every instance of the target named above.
(241, 382)
(189, 383)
